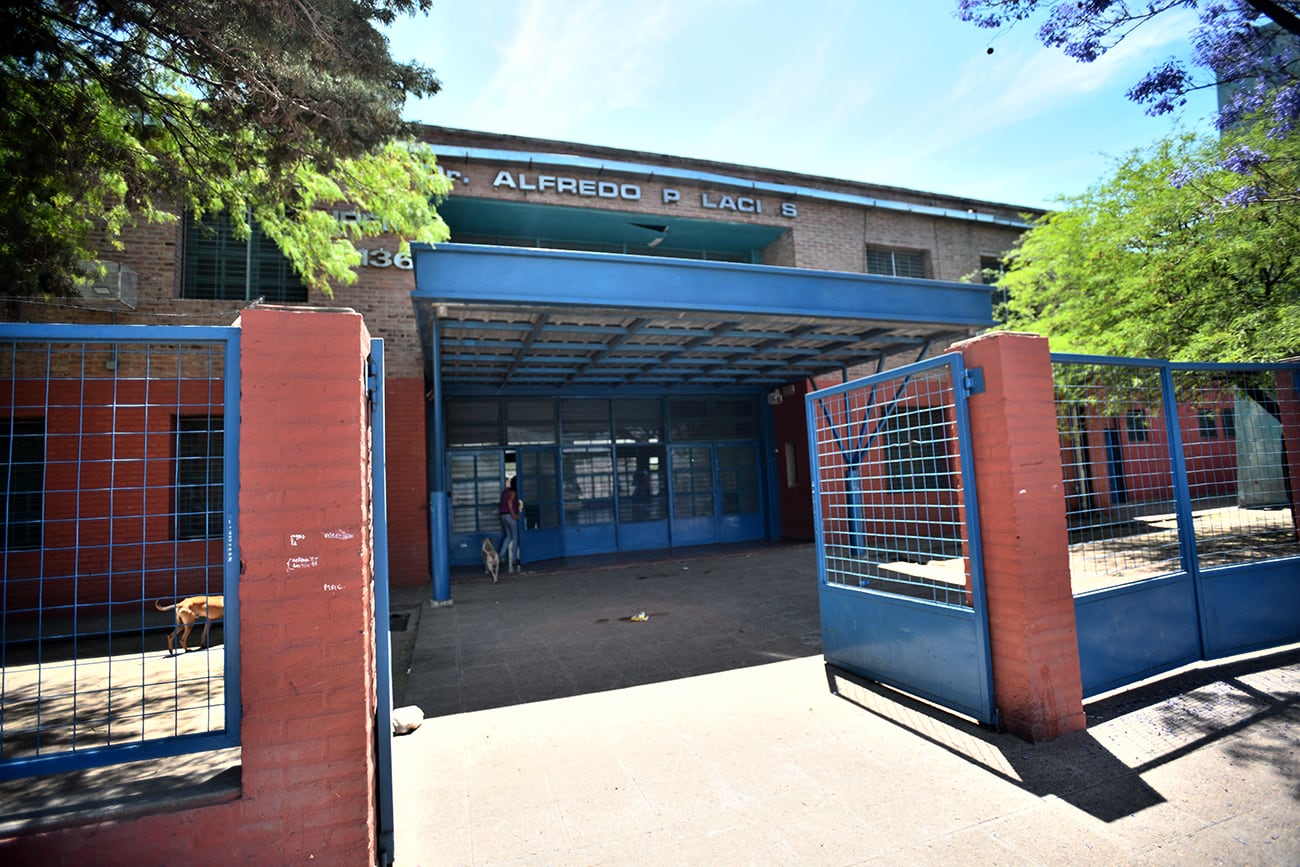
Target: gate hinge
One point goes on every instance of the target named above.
(972, 381)
(372, 382)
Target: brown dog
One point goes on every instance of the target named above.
(207, 608)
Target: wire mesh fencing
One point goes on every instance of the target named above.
(889, 491)
(115, 491)
(1172, 467)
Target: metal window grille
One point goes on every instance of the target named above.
(588, 485)
(476, 480)
(474, 422)
(642, 485)
(218, 265)
(96, 422)
(585, 420)
(692, 474)
(1140, 462)
(895, 263)
(893, 520)
(530, 421)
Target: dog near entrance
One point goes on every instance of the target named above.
(188, 612)
(491, 559)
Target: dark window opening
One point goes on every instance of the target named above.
(22, 485)
(200, 469)
(220, 266)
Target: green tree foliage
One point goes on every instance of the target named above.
(1249, 47)
(1155, 261)
(116, 111)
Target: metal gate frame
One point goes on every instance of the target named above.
(383, 640)
(227, 340)
(1147, 627)
(937, 650)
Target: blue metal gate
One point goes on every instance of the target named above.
(119, 473)
(898, 546)
(1181, 496)
(383, 641)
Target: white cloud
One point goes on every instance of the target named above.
(558, 63)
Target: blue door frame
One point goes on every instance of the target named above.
(926, 646)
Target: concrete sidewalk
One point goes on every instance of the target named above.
(764, 765)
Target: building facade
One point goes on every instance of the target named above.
(629, 334)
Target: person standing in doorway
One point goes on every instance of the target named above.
(510, 512)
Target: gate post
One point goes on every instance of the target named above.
(1036, 680)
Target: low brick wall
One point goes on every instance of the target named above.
(306, 637)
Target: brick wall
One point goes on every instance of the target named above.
(306, 623)
(1036, 681)
(408, 491)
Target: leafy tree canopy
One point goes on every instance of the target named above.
(1152, 262)
(113, 111)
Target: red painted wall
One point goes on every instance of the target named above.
(109, 495)
(408, 490)
(790, 429)
(306, 637)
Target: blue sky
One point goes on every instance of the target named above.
(893, 92)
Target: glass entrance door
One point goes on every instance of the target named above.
(539, 489)
(738, 486)
(693, 518)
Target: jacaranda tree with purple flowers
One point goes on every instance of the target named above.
(1191, 249)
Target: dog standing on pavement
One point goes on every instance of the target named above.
(491, 559)
(188, 611)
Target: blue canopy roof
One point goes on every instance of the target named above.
(520, 317)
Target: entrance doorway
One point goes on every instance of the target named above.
(602, 475)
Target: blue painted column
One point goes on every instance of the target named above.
(439, 542)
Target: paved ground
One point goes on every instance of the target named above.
(563, 732)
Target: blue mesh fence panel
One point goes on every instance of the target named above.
(891, 504)
(1130, 468)
(113, 472)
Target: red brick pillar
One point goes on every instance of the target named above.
(306, 607)
(1036, 683)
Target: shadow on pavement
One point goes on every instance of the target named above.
(1252, 705)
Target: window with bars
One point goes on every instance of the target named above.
(22, 481)
(896, 263)
(991, 270)
(916, 444)
(1138, 425)
(200, 468)
(220, 266)
(1207, 424)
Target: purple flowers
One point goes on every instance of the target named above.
(1244, 160)
(1238, 46)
